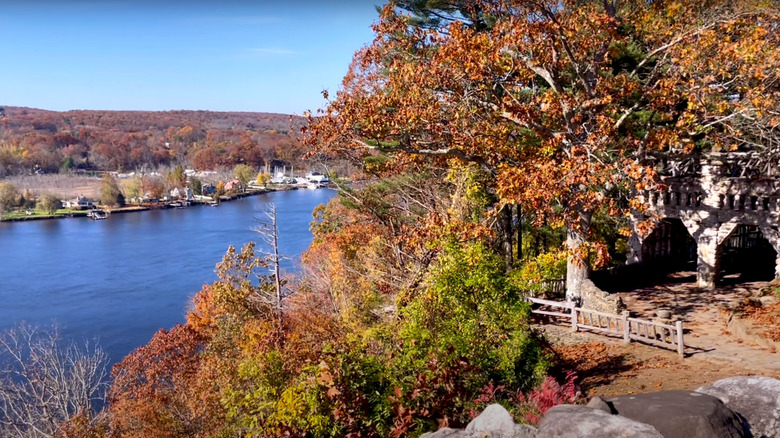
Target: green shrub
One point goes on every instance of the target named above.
(534, 272)
(468, 329)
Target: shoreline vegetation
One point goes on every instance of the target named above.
(65, 213)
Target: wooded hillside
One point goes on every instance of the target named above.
(48, 141)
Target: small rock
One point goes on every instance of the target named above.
(571, 421)
(600, 404)
(493, 419)
(757, 399)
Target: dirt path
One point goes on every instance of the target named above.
(607, 366)
(705, 314)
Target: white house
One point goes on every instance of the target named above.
(182, 193)
(81, 203)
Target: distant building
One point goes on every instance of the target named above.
(148, 198)
(233, 185)
(182, 193)
(317, 177)
(208, 189)
(80, 202)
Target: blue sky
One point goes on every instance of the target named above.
(226, 55)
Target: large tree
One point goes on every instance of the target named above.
(244, 174)
(110, 193)
(49, 203)
(8, 194)
(565, 104)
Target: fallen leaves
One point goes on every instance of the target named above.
(766, 319)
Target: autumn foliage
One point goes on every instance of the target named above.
(570, 106)
(149, 393)
(52, 141)
(409, 313)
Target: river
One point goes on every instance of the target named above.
(120, 280)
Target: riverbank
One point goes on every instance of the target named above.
(32, 215)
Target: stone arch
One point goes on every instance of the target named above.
(749, 250)
(669, 247)
(772, 234)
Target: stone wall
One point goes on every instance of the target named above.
(596, 299)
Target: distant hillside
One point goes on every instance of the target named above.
(32, 139)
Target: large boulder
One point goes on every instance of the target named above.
(681, 414)
(757, 399)
(493, 419)
(572, 421)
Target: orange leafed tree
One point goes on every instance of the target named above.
(565, 103)
(154, 392)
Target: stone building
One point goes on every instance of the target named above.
(719, 215)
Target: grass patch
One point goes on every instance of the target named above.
(40, 214)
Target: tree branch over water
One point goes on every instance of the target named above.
(46, 382)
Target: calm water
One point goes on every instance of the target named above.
(121, 279)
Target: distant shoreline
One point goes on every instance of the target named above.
(143, 207)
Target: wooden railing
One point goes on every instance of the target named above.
(553, 287)
(648, 332)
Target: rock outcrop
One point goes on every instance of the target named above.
(737, 407)
(681, 414)
(756, 399)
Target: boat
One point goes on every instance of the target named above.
(97, 214)
(213, 204)
(313, 185)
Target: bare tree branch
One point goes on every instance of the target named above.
(45, 382)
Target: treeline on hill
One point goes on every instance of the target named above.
(506, 142)
(49, 141)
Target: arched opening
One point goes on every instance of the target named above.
(669, 248)
(746, 255)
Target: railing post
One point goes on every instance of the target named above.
(680, 344)
(573, 316)
(626, 328)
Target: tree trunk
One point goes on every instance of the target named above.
(577, 268)
(276, 265)
(505, 234)
(519, 233)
